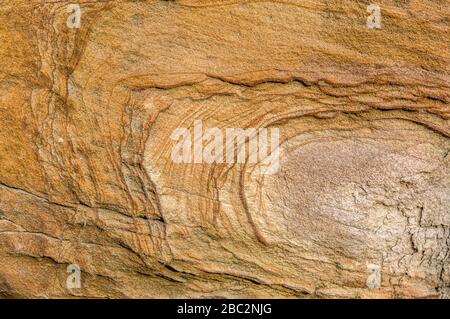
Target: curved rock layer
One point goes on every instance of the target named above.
(87, 177)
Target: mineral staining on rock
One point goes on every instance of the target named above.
(360, 204)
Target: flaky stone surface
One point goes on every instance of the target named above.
(86, 175)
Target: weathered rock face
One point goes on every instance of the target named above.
(87, 174)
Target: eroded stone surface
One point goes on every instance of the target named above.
(86, 174)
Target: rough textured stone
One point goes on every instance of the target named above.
(86, 175)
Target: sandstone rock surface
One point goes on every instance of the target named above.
(86, 175)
